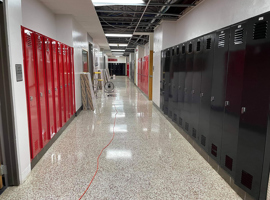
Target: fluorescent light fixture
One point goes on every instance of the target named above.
(120, 45)
(117, 50)
(118, 154)
(118, 35)
(117, 2)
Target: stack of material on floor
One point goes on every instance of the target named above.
(88, 97)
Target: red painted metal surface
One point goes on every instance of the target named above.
(64, 50)
(62, 83)
(57, 91)
(69, 82)
(31, 91)
(50, 86)
(146, 74)
(72, 81)
(74, 92)
(42, 89)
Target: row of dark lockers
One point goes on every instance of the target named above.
(49, 82)
(217, 87)
(117, 69)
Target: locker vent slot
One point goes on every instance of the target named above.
(238, 36)
(194, 132)
(189, 48)
(260, 30)
(177, 51)
(246, 179)
(174, 117)
(39, 43)
(28, 40)
(214, 150)
(54, 48)
(180, 121)
(36, 145)
(183, 49)
(168, 54)
(198, 46)
(221, 40)
(203, 140)
(229, 162)
(172, 52)
(208, 43)
(186, 126)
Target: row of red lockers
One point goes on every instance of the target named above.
(50, 86)
(143, 74)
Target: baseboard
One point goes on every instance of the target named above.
(50, 143)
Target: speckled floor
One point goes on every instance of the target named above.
(148, 158)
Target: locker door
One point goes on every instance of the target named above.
(127, 69)
(62, 83)
(69, 82)
(31, 91)
(72, 80)
(252, 168)
(39, 46)
(66, 81)
(188, 86)
(146, 75)
(206, 85)
(50, 85)
(167, 81)
(162, 79)
(57, 92)
(196, 87)
(218, 92)
(171, 79)
(232, 103)
(181, 83)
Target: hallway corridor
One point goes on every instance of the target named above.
(148, 158)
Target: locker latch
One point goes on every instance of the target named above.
(68, 83)
(227, 103)
(55, 89)
(179, 88)
(212, 98)
(41, 94)
(61, 86)
(243, 110)
(65, 85)
(31, 98)
(49, 91)
(201, 95)
(193, 91)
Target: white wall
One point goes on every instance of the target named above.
(208, 16)
(14, 22)
(64, 29)
(121, 59)
(38, 17)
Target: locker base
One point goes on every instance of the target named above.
(50, 143)
(212, 162)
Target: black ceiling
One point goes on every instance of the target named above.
(123, 19)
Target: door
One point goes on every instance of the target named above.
(42, 88)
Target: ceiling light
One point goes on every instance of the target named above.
(117, 50)
(118, 35)
(117, 2)
(120, 45)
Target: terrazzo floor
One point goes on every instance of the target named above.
(148, 158)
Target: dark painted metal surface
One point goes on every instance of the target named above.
(196, 87)
(167, 81)
(162, 79)
(206, 85)
(233, 98)
(188, 85)
(219, 79)
(252, 159)
(181, 82)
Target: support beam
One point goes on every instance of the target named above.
(172, 5)
(133, 22)
(125, 26)
(137, 12)
(121, 17)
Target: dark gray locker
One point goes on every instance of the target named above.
(233, 98)
(196, 86)
(219, 79)
(188, 85)
(252, 167)
(206, 85)
(162, 79)
(181, 82)
(171, 80)
(167, 81)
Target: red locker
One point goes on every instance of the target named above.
(73, 80)
(57, 91)
(42, 89)
(146, 74)
(69, 82)
(50, 86)
(65, 80)
(62, 84)
(31, 91)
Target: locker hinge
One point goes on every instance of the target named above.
(3, 170)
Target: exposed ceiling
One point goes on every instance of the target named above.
(84, 13)
(128, 19)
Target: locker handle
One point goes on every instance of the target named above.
(179, 88)
(31, 98)
(201, 95)
(227, 103)
(68, 83)
(65, 85)
(212, 98)
(243, 110)
(193, 91)
(41, 94)
(55, 89)
(49, 91)
(61, 86)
